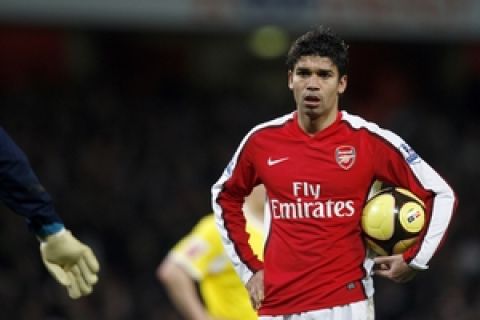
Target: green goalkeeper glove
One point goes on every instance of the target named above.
(70, 262)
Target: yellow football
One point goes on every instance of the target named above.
(392, 219)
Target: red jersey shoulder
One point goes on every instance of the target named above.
(272, 139)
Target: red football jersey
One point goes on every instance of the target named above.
(316, 187)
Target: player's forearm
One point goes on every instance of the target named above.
(228, 211)
(182, 291)
(21, 190)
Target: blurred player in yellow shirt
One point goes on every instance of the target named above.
(200, 257)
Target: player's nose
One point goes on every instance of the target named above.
(313, 84)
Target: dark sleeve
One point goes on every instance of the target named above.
(21, 191)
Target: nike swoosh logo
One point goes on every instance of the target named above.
(272, 162)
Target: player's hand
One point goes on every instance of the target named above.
(70, 262)
(393, 268)
(255, 289)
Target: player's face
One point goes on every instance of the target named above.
(316, 84)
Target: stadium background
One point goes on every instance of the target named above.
(129, 111)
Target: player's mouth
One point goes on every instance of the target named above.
(311, 101)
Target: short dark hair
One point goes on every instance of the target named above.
(322, 42)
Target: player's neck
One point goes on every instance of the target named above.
(313, 125)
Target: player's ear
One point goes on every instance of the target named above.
(290, 79)
(342, 84)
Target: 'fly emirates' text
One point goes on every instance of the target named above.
(301, 209)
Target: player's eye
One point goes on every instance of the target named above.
(325, 74)
(303, 72)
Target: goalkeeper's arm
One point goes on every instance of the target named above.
(71, 262)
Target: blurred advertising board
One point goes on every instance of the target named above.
(364, 18)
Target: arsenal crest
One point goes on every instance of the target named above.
(345, 156)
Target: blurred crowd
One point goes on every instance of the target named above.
(129, 130)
